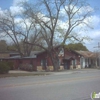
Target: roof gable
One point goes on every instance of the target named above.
(87, 54)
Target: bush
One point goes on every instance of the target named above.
(27, 67)
(4, 68)
(10, 64)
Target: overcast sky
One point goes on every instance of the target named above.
(93, 33)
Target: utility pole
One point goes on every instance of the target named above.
(98, 53)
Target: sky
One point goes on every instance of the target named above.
(94, 33)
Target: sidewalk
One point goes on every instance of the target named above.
(55, 73)
(18, 73)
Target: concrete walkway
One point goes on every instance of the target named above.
(56, 73)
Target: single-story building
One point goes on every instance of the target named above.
(40, 60)
(87, 59)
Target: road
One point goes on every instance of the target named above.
(59, 86)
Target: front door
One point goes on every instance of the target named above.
(66, 64)
(73, 63)
(44, 63)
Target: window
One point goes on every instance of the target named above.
(43, 62)
(61, 52)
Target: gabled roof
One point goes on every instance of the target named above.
(87, 54)
(15, 55)
(4, 55)
(19, 57)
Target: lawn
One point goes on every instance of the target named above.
(23, 74)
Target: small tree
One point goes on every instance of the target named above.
(76, 46)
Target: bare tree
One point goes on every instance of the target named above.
(53, 22)
(19, 29)
(49, 17)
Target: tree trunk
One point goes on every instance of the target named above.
(55, 61)
(56, 64)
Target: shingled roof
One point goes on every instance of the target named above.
(87, 54)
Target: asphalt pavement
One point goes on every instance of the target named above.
(65, 85)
